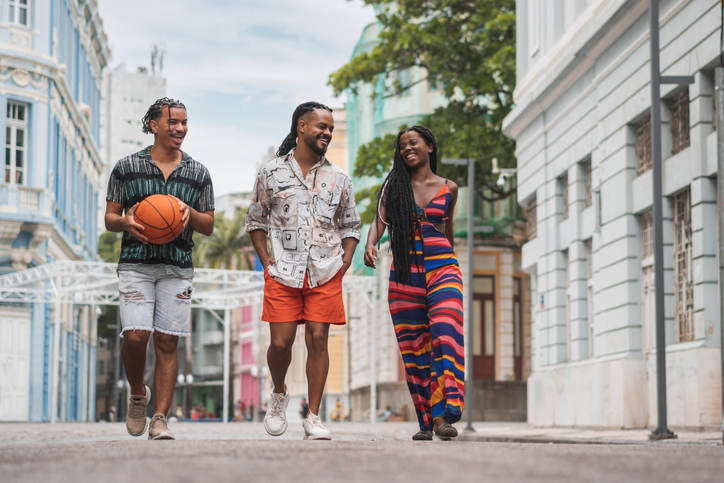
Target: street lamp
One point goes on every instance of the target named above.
(469, 312)
(185, 382)
(261, 374)
(504, 173)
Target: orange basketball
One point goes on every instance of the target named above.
(161, 216)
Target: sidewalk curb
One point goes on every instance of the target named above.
(472, 437)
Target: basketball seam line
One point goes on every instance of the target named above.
(174, 215)
(163, 217)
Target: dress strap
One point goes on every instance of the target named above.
(445, 180)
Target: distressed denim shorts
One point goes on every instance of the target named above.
(155, 302)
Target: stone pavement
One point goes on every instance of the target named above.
(217, 452)
(484, 432)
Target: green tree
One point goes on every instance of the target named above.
(109, 246)
(467, 47)
(228, 247)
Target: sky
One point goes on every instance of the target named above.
(239, 66)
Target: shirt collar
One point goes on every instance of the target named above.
(290, 156)
(146, 155)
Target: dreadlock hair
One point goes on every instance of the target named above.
(154, 112)
(399, 201)
(290, 142)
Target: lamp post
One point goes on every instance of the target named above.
(259, 374)
(469, 312)
(185, 382)
(662, 431)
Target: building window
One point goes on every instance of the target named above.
(102, 368)
(647, 235)
(564, 188)
(405, 78)
(534, 27)
(680, 121)
(19, 12)
(683, 276)
(531, 223)
(589, 299)
(569, 335)
(16, 142)
(643, 146)
(589, 186)
(713, 101)
(648, 285)
(434, 83)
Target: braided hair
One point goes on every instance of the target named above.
(154, 112)
(399, 201)
(290, 142)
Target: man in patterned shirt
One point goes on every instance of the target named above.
(306, 206)
(155, 281)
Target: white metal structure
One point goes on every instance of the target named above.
(96, 283)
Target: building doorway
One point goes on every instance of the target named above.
(518, 328)
(483, 328)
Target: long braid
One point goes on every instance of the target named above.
(399, 201)
(290, 142)
(154, 112)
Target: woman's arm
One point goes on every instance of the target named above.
(375, 234)
(451, 210)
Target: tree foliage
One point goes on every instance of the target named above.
(228, 247)
(465, 46)
(109, 246)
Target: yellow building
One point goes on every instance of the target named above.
(338, 151)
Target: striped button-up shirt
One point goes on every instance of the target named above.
(136, 177)
(306, 218)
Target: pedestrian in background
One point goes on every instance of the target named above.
(306, 206)
(304, 411)
(425, 290)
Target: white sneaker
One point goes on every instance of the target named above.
(313, 428)
(275, 421)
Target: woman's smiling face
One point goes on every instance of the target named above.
(415, 152)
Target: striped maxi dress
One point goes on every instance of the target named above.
(428, 319)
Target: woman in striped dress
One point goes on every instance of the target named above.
(425, 291)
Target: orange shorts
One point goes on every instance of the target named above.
(288, 304)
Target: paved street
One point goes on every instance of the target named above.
(214, 452)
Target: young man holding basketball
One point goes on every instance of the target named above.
(155, 280)
(306, 206)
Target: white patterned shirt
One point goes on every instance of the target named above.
(305, 218)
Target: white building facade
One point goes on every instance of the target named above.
(583, 130)
(126, 98)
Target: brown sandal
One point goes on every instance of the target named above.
(422, 436)
(446, 430)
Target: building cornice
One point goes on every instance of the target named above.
(569, 58)
(524, 114)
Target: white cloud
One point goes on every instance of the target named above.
(230, 153)
(248, 62)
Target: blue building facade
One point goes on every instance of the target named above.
(52, 54)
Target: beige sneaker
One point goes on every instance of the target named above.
(136, 420)
(158, 429)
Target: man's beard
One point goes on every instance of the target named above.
(319, 151)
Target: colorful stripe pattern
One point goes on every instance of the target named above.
(428, 319)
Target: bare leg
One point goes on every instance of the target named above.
(166, 370)
(279, 355)
(316, 335)
(133, 354)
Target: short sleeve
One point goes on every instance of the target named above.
(205, 200)
(116, 193)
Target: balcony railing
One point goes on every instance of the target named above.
(25, 199)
